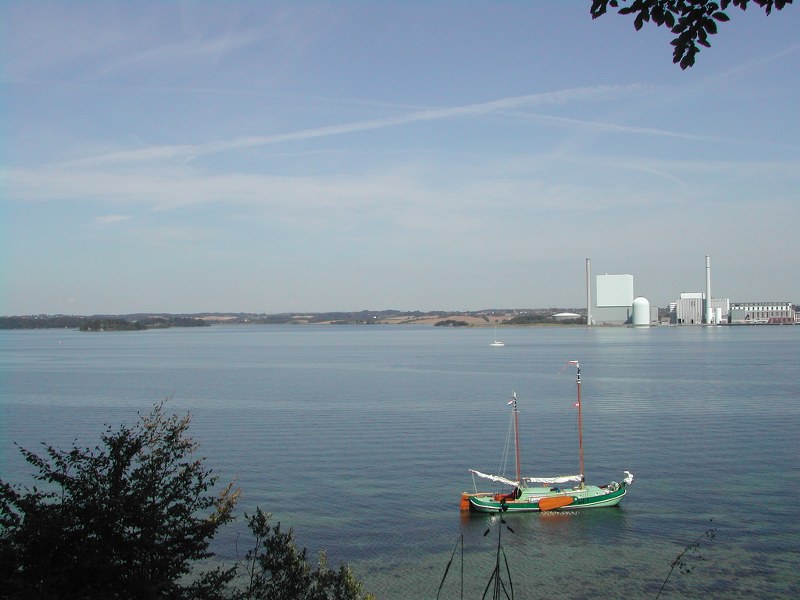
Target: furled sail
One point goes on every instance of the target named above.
(496, 478)
(553, 480)
(543, 480)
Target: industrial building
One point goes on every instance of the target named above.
(614, 299)
(762, 312)
(696, 308)
(616, 305)
(691, 307)
(689, 311)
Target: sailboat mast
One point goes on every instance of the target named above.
(580, 419)
(516, 438)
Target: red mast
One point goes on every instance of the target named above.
(516, 437)
(580, 420)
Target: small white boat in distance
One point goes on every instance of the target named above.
(496, 342)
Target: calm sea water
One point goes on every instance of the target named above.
(360, 439)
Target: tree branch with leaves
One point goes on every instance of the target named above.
(692, 21)
(133, 517)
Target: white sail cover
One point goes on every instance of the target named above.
(544, 480)
(496, 478)
(553, 480)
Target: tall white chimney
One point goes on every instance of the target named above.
(707, 316)
(588, 291)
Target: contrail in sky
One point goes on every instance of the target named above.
(189, 151)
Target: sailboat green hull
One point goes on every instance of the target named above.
(529, 501)
(540, 496)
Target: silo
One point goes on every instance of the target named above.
(641, 312)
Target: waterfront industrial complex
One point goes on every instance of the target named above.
(616, 304)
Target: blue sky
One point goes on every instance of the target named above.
(314, 156)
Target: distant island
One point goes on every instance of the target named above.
(100, 323)
(145, 321)
(112, 325)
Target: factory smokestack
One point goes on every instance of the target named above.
(588, 291)
(708, 318)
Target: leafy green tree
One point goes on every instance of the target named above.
(132, 517)
(692, 21)
(126, 519)
(277, 570)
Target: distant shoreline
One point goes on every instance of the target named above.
(483, 318)
(145, 322)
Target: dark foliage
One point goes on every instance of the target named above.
(528, 319)
(692, 21)
(42, 322)
(132, 517)
(451, 323)
(165, 322)
(126, 519)
(100, 323)
(111, 325)
(277, 570)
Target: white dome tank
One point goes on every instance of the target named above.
(641, 312)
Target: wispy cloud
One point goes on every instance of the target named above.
(77, 43)
(177, 52)
(404, 195)
(110, 219)
(746, 67)
(601, 126)
(189, 151)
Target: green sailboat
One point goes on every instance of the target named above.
(534, 494)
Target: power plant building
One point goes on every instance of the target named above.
(614, 299)
(695, 308)
(614, 291)
(642, 313)
(762, 312)
(615, 305)
(690, 309)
